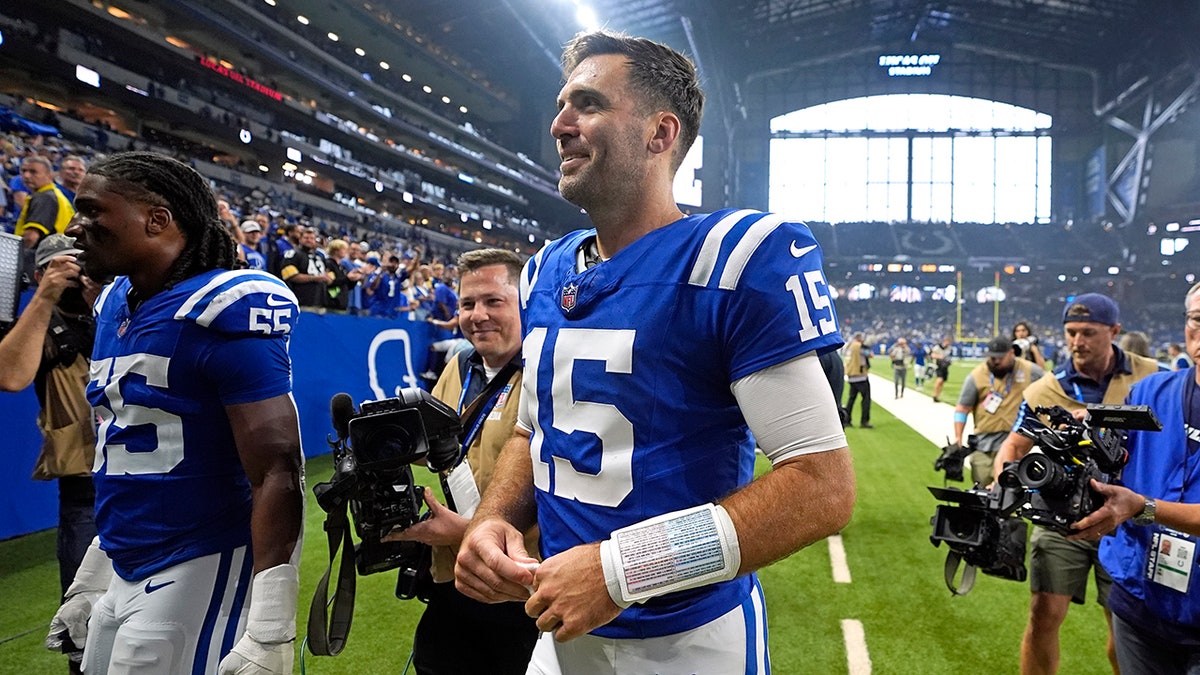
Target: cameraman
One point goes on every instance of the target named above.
(1097, 372)
(1026, 344)
(49, 346)
(992, 393)
(502, 636)
(1156, 616)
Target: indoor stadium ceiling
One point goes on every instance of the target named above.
(733, 39)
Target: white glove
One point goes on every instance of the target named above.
(71, 619)
(267, 647)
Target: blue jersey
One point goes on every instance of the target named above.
(628, 367)
(169, 484)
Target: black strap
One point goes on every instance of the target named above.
(968, 576)
(326, 636)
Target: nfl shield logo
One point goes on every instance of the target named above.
(568, 297)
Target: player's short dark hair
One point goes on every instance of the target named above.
(662, 77)
(484, 257)
(158, 180)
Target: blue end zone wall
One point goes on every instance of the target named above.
(366, 358)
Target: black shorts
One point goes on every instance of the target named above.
(943, 371)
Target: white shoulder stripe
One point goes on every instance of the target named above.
(195, 298)
(527, 279)
(228, 297)
(745, 248)
(706, 261)
(99, 304)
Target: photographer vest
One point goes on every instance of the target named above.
(1011, 388)
(485, 447)
(1048, 392)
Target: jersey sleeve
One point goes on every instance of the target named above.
(243, 303)
(781, 306)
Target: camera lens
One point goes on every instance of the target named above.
(1038, 472)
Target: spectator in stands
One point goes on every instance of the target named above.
(942, 355)
(1178, 359)
(251, 234)
(383, 287)
(346, 274)
(900, 356)
(419, 295)
(305, 272)
(50, 346)
(992, 394)
(17, 191)
(70, 174)
(858, 365)
(1097, 371)
(1026, 344)
(47, 211)
(279, 247)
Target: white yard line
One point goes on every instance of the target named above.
(837, 560)
(858, 661)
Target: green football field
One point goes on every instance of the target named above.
(910, 622)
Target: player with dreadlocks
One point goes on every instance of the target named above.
(199, 495)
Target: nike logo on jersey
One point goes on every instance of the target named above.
(801, 252)
(276, 302)
(150, 587)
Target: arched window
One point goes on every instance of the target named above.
(912, 158)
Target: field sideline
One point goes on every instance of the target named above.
(910, 623)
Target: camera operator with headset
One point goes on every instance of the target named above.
(1154, 601)
(484, 385)
(1097, 372)
(50, 346)
(992, 393)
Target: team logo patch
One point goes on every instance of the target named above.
(569, 293)
(123, 327)
(503, 395)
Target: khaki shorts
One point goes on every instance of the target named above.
(1057, 565)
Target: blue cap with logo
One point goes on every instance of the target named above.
(1092, 307)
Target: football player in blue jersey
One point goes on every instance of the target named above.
(199, 496)
(659, 350)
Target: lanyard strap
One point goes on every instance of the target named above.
(475, 414)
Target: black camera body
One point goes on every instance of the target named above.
(980, 526)
(1022, 345)
(373, 457)
(952, 458)
(1057, 481)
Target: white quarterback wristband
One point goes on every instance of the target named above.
(672, 552)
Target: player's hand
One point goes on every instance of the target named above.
(70, 623)
(62, 273)
(443, 527)
(1120, 504)
(251, 657)
(570, 597)
(493, 565)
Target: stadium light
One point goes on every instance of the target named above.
(462, 109)
(445, 99)
(406, 77)
(332, 36)
(359, 51)
(384, 65)
(302, 19)
(270, 2)
(587, 18)
(427, 89)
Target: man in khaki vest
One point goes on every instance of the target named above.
(992, 394)
(1097, 372)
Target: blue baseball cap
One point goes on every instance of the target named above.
(1094, 308)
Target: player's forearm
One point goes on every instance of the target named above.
(509, 496)
(277, 519)
(1182, 517)
(797, 503)
(21, 349)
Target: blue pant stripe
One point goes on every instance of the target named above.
(239, 600)
(751, 617)
(200, 659)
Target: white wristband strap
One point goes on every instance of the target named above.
(668, 553)
(272, 616)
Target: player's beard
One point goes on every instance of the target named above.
(614, 177)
